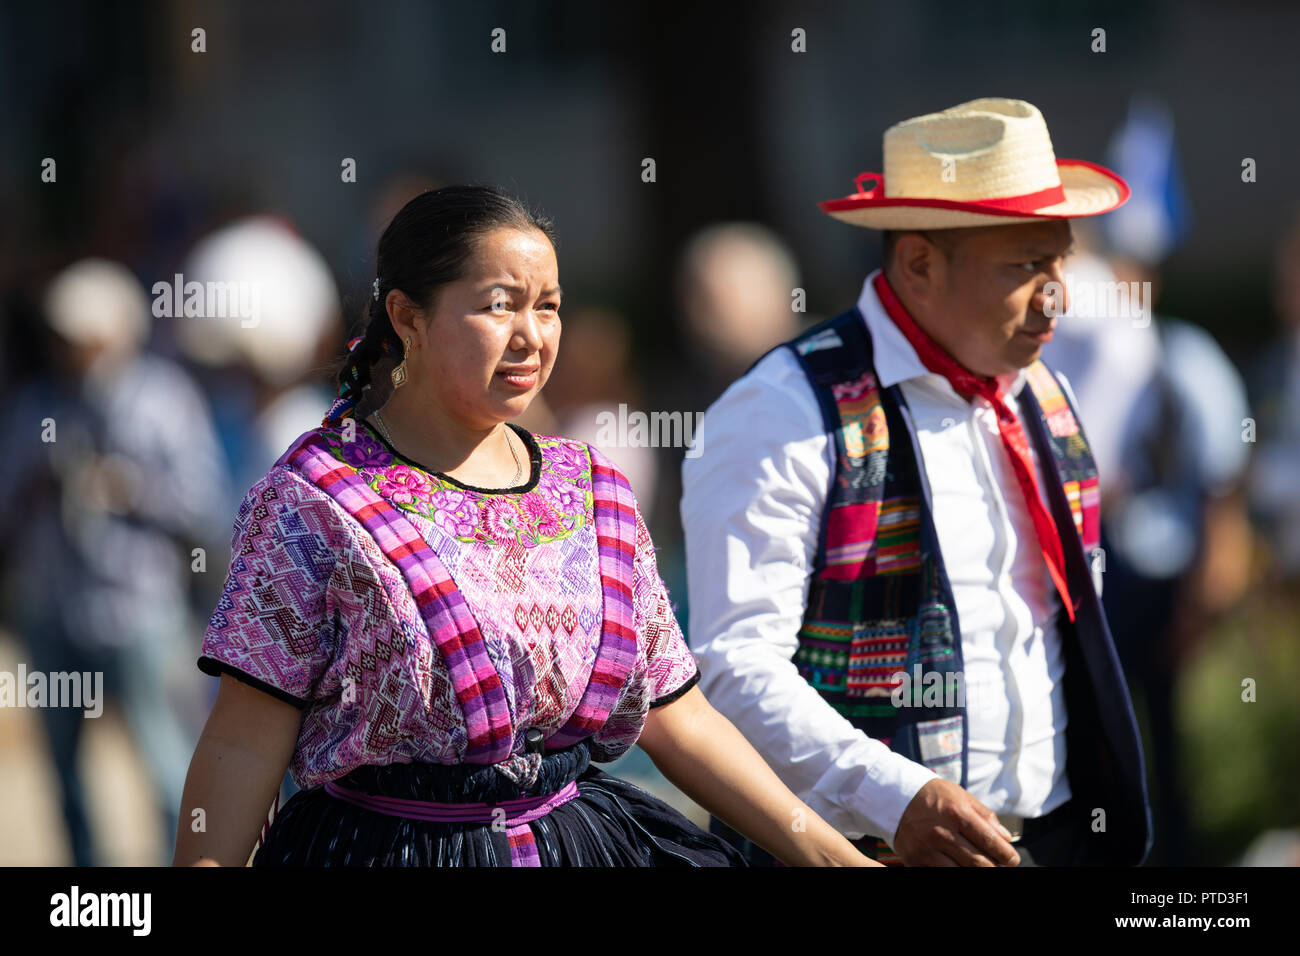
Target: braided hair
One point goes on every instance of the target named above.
(426, 246)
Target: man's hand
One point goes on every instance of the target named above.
(945, 826)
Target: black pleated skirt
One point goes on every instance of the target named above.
(609, 823)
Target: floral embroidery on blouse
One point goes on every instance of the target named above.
(557, 505)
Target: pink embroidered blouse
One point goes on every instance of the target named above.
(314, 613)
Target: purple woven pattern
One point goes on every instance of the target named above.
(447, 617)
(269, 620)
(616, 538)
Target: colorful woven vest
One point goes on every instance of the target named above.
(879, 602)
(491, 736)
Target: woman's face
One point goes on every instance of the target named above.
(491, 337)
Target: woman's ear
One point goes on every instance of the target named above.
(404, 313)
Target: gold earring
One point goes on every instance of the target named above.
(399, 373)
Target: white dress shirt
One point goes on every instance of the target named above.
(751, 507)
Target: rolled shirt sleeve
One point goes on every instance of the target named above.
(751, 510)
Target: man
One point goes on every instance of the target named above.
(888, 535)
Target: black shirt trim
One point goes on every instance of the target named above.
(534, 460)
(215, 668)
(669, 698)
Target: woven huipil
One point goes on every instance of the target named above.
(418, 620)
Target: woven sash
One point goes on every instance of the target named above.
(1075, 467)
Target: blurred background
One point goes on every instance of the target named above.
(135, 150)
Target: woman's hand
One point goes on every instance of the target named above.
(234, 776)
(703, 753)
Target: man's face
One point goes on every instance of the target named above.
(986, 302)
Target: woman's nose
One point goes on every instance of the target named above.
(528, 333)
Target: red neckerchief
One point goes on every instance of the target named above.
(967, 384)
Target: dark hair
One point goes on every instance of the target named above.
(426, 246)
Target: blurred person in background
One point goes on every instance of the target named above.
(735, 290)
(275, 363)
(1274, 500)
(1166, 410)
(597, 374)
(1275, 475)
(111, 467)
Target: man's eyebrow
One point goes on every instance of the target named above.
(1036, 252)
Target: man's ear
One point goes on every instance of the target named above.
(917, 267)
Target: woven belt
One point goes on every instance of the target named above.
(510, 812)
(513, 815)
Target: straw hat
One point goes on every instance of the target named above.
(988, 162)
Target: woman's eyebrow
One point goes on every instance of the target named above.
(508, 287)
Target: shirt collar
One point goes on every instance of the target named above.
(893, 356)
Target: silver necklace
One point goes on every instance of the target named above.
(519, 465)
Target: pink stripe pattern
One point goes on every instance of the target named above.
(615, 519)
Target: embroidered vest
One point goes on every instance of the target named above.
(450, 624)
(880, 604)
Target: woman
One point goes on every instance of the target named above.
(437, 621)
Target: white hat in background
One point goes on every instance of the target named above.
(296, 299)
(95, 302)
